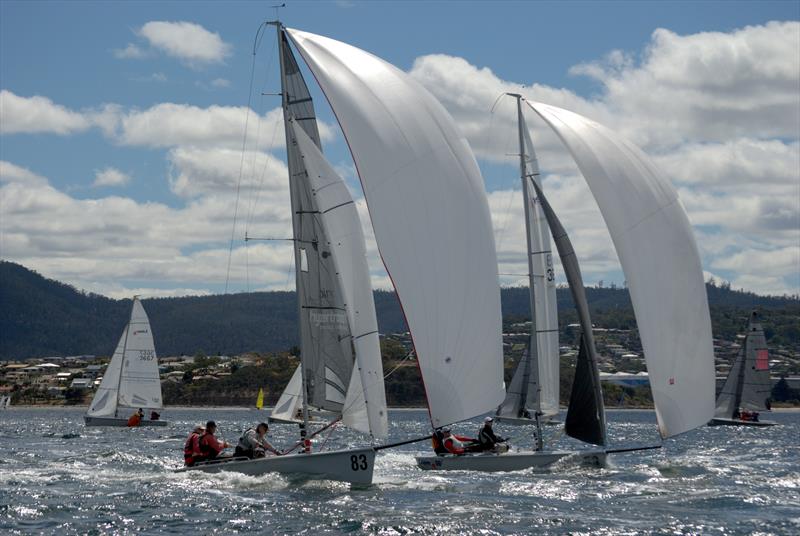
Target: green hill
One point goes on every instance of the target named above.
(40, 317)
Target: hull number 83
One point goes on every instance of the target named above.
(358, 462)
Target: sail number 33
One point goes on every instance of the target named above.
(358, 462)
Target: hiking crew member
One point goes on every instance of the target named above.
(191, 449)
(437, 440)
(210, 446)
(454, 444)
(254, 444)
(487, 439)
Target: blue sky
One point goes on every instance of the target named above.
(70, 53)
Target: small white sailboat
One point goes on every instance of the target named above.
(131, 380)
(532, 396)
(659, 256)
(341, 370)
(5, 401)
(289, 408)
(748, 387)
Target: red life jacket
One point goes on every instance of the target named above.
(191, 448)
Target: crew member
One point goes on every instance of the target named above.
(254, 444)
(458, 445)
(210, 446)
(487, 439)
(191, 449)
(136, 418)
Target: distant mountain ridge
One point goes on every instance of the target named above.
(42, 317)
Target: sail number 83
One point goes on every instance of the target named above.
(358, 462)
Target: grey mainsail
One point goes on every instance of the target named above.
(748, 385)
(586, 418)
(326, 349)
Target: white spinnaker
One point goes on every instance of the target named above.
(544, 293)
(140, 385)
(365, 404)
(659, 256)
(104, 403)
(431, 220)
(291, 399)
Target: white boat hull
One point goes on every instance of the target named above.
(508, 461)
(719, 421)
(111, 421)
(354, 466)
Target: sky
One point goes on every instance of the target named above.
(123, 146)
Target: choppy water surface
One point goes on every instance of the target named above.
(56, 476)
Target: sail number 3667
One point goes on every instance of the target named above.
(358, 462)
(146, 355)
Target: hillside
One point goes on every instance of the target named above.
(41, 317)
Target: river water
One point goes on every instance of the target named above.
(58, 477)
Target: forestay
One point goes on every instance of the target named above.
(365, 405)
(431, 220)
(656, 247)
(132, 378)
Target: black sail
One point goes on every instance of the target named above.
(589, 421)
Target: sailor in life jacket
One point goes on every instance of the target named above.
(254, 444)
(136, 418)
(210, 446)
(454, 444)
(191, 449)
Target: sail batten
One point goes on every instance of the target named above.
(431, 220)
(659, 257)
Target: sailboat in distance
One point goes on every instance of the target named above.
(341, 370)
(748, 387)
(131, 380)
(260, 399)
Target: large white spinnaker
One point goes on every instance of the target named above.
(431, 220)
(131, 379)
(657, 249)
(365, 404)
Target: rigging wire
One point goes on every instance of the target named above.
(244, 146)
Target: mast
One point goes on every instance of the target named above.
(533, 345)
(295, 222)
(122, 362)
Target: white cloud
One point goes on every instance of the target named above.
(110, 177)
(220, 83)
(12, 173)
(187, 41)
(131, 51)
(37, 114)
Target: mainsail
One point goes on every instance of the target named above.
(365, 404)
(656, 247)
(431, 220)
(131, 379)
(534, 388)
(748, 385)
(326, 347)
